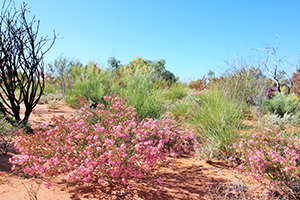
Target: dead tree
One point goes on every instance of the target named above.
(21, 62)
(272, 64)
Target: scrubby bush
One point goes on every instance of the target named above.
(61, 74)
(91, 84)
(6, 135)
(144, 82)
(144, 92)
(281, 122)
(272, 158)
(200, 84)
(282, 103)
(50, 85)
(243, 83)
(109, 143)
(160, 71)
(51, 98)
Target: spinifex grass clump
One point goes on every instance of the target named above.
(176, 91)
(107, 143)
(182, 108)
(217, 120)
(271, 158)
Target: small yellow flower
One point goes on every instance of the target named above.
(147, 70)
(295, 97)
(141, 68)
(283, 88)
(141, 59)
(129, 66)
(138, 65)
(136, 60)
(127, 74)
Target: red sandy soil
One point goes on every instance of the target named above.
(185, 178)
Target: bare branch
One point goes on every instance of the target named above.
(22, 67)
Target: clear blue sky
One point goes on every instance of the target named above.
(193, 36)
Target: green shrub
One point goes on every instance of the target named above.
(217, 120)
(91, 84)
(277, 121)
(281, 103)
(6, 135)
(51, 98)
(143, 92)
(49, 88)
(60, 74)
(160, 71)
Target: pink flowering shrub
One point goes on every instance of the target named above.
(107, 143)
(271, 158)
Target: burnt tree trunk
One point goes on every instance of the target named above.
(21, 58)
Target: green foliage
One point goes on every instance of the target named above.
(114, 65)
(144, 82)
(51, 99)
(217, 120)
(158, 68)
(49, 88)
(280, 121)
(176, 91)
(143, 92)
(224, 104)
(91, 84)
(281, 103)
(211, 74)
(161, 73)
(61, 74)
(182, 108)
(6, 135)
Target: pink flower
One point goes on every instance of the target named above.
(123, 180)
(48, 185)
(86, 179)
(159, 179)
(128, 146)
(101, 180)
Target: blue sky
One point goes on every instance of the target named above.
(193, 36)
